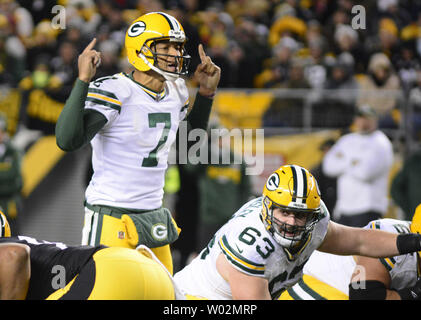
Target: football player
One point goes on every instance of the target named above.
(395, 278)
(328, 277)
(263, 248)
(36, 270)
(131, 121)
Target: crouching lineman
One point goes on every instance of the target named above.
(36, 270)
(263, 248)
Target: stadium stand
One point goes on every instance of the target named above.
(295, 68)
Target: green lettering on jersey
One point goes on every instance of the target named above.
(248, 236)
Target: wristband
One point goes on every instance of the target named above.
(408, 243)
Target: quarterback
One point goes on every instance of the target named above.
(262, 249)
(32, 269)
(131, 121)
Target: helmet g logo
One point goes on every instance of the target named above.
(273, 182)
(136, 29)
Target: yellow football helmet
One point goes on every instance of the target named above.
(141, 37)
(294, 190)
(4, 226)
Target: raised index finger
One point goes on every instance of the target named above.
(90, 45)
(202, 53)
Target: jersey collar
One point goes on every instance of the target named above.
(157, 96)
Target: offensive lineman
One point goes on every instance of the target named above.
(262, 249)
(131, 121)
(32, 269)
(333, 277)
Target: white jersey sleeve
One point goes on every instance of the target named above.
(246, 249)
(106, 95)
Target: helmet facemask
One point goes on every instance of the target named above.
(149, 55)
(289, 236)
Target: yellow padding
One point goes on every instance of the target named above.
(38, 162)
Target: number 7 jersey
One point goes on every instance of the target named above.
(250, 248)
(130, 153)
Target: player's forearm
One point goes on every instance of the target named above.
(377, 244)
(76, 125)
(199, 115)
(69, 127)
(344, 240)
(382, 244)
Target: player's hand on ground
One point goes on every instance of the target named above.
(207, 74)
(88, 61)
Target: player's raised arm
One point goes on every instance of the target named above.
(75, 127)
(207, 75)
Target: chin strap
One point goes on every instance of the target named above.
(168, 76)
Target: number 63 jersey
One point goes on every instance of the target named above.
(130, 153)
(250, 248)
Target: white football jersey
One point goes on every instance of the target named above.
(336, 270)
(251, 249)
(130, 152)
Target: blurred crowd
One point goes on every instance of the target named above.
(264, 44)
(257, 43)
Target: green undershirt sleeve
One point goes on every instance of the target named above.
(76, 125)
(199, 115)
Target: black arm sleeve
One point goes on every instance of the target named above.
(76, 125)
